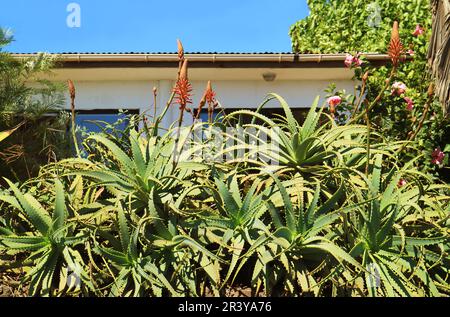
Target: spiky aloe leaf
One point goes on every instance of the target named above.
(24, 243)
(397, 240)
(230, 205)
(121, 157)
(336, 252)
(288, 208)
(34, 211)
(138, 156)
(114, 256)
(5, 134)
(60, 212)
(332, 201)
(123, 229)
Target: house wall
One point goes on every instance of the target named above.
(138, 94)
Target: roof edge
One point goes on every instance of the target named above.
(204, 57)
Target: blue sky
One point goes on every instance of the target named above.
(151, 26)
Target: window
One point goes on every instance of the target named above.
(217, 115)
(95, 120)
(272, 113)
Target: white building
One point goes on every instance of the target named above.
(108, 82)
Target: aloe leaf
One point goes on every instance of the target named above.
(24, 243)
(117, 152)
(33, 210)
(5, 134)
(60, 212)
(330, 203)
(138, 157)
(123, 229)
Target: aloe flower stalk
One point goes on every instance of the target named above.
(183, 97)
(183, 88)
(211, 100)
(202, 102)
(172, 96)
(155, 95)
(72, 93)
(180, 56)
(395, 46)
(395, 52)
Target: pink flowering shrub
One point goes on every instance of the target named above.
(398, 88)
(437, 157)
(353, 61)
(418, 31)
(410, 104)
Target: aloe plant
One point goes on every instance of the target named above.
(146, 168)
(393, 258)
(305, 148)
(301, 241)
(133, 267)
(51, 239)
(338, 216)
(237, 218)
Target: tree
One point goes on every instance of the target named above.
(336, 26)
(32, 111)
(439, 52)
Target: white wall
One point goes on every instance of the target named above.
(116, 94)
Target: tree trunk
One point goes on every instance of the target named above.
(439, 52)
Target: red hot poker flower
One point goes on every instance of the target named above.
(395, 46)
(210, 95)
(180, 50)
(183, 95)
(183, 88)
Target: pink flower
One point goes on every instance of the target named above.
(411, 52)
(418, 31)
(398, 88)
(410, 103)
(334, 101)
(351, 61)
(437, 156)
(402, 182)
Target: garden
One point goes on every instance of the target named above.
(352, 201)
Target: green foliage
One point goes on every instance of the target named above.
(365, 26)
(48, 238)
(335, 26)
(36, 108)
(319, 208)
(140, 219)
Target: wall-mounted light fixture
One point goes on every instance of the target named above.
(269, 76)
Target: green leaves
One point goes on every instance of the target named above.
(60, 211)
(33, 210)
(129, 222)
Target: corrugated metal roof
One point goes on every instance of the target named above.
(200, 59)
(174, 53)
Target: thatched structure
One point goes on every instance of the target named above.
(439, 53)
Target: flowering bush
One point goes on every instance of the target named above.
(405, 110)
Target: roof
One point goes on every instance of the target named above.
(205, 59)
